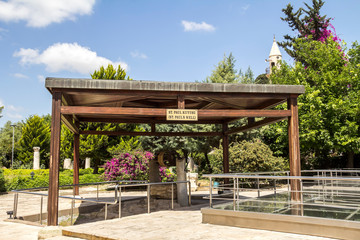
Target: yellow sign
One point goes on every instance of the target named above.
(181, 114)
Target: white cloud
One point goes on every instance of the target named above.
(41, 78)
(20, 75)
(137, 54)
(193, 26)
(3, 31)
(41, 13)
(65, 57)
(13, 108)
(10, 111)
(14, 115)
(246, 7)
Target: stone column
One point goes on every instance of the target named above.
(182, 194)
(154, 173)
(36, 163)
(67, 163)
(193, 178)
(87, 162)
(191, 165)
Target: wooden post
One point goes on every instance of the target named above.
(181, 102)
(294, 148)
(251, 120)
(153, 127)
(76, 162)
(53, 195)
(225, 151)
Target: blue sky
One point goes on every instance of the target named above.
(154, 40)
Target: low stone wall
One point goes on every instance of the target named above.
(323, 227)
(162, 191)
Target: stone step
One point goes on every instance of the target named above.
(64, 238)
(82, 235)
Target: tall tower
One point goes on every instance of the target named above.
(274, 56)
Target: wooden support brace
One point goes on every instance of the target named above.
(254, 125)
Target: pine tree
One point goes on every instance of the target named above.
(110, 73)
(224, 72)
(35, 133)
(247, 77)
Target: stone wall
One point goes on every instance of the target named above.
(162, 191)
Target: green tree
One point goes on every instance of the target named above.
(6, 136)
(247, 77)
(35, 133)
(66, 143)
(248, 156)
(177, 145)
(2, 181)
(110, 72)
(329, 112)
(262, 79)
(224, 72)
(1, 108)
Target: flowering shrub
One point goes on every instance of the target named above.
(133, 166)
(326, 29)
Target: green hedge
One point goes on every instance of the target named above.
(2, 181)
(21, 178)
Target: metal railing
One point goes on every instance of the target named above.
(327, 188)
(117, 195)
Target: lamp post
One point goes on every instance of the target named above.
(12, 153)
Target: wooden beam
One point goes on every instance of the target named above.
(254, 125)
(161, 112)
(69, 123)
(53, 192)
(146, 120)
(173, 93)
(126, 133)
(294, 149)
(153, 127)
(117, 100)
(76, 163)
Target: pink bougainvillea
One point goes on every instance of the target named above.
(133, 166)
(326, 30)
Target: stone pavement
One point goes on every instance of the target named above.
(175, 225)
(184, 223)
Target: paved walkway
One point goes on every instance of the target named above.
(175, 225)
(184, 223)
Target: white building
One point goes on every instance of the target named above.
(274, 57)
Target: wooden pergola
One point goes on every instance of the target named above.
(113, 101)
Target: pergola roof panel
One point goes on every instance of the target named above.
(165, 95)
(96, 84)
